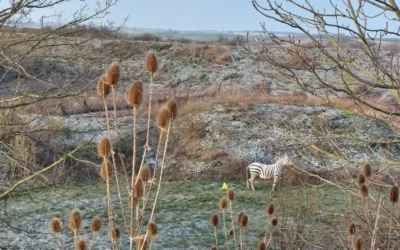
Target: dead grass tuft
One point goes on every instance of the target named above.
(218, 54)
(297, 58)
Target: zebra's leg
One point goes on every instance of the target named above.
(252, 184)
(274, 184)
(251, 180)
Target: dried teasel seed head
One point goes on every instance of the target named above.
(113, 74)
(214, 248)
(367, 170)
(274, 222)
(261, 246)
(361, 179)
(357, 244)
(55, 226)
(240, 216)
(106, 170)
(102, 87)
(163, 118)
(231, 231)
(214, 220)
(145, 173)
(270, 209)
(352, 229)
(75, 219)
(364, 191)
(230, 194)
(172, 107)
(139, 189)
(243, 220)
(96, 224)
(135, 93)
(152, 228)
(115, 233)
(151, 63)
(394, 194)
(104, 147)
(142, 244)
(223, 203)
(81, 245)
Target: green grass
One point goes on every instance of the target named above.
(182, 214)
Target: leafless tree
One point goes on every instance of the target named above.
(345, 56)
(340, 47)
(33, 82)
(340, 56)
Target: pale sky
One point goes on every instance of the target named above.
(193, 14)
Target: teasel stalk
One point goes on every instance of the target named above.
(274, 223)
(96, 226)
(230, 195)
(75, 223)
(112, 150)
(139, 193)
(394, 198)
(146, 200)
(113, 76)
(222, 204)
(106, 174)
(55, 227)
(243, 219)
(373, 240)
(163, 121)
(364, 195)
(115, 234)
(270, 212)
(144, 176)
(104, 150)
(171, 109)
(134, 98)
(214, 223)
(352, 233)
(122, 159)
(151, 67)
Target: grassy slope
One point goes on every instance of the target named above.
(183, 214)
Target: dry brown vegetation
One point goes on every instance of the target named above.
(297, 58)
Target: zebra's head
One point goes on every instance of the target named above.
(286, 160)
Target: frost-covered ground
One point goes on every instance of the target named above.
(182, 214)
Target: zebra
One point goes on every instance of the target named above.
(267, 171)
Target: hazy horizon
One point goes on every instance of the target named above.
(186, 15)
